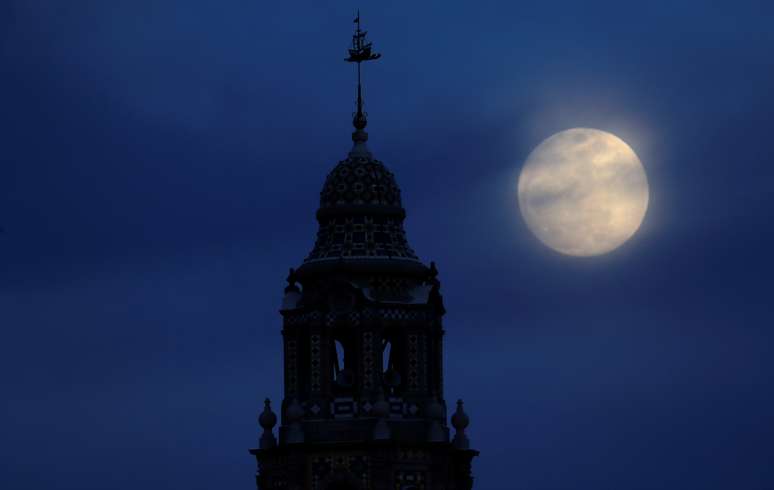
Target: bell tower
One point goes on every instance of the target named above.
(363, 403)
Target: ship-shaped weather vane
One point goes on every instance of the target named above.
(360, 51)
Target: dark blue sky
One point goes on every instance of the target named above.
(160, 169)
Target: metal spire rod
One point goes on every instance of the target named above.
(358, 53)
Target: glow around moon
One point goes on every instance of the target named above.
(583, 192)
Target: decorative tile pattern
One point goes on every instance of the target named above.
(314, 351)
(397, 408)
(324, 466)
(361, 236)
(411, 454)
(368, 361)
(360, 181)
(409, 479)
(390, 288)
(354, 318)
(423, 361)
(343, 408)
(401, 315)
(366, 407)
(439, 364)
(291, 367)
(330, 319)
(413, 362)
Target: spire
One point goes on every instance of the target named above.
(358, 53)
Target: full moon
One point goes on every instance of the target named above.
(583, 192)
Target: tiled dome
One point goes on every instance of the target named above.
(360, 213)
(360, 180)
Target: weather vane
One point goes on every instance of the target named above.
(358, 53)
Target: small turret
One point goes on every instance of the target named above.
(267, 420)
(460, 422)
(292, 293)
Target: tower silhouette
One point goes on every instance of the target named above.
(363, 346)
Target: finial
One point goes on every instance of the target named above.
(434, 297)
(432, 274)
(267, 420)
(291, 279)
(292, 293)
(460, 421)
(358, 53)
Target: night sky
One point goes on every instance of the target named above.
(160, 167)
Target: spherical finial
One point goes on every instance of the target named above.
(267, 419)
(291, 279)
(460, 419)
(432, 271)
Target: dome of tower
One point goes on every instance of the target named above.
(360, 214)
(359, 180)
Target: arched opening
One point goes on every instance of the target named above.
(390, 372)
(341, 374)
(386, 355)
(338, 358)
